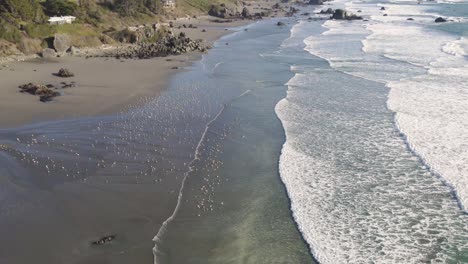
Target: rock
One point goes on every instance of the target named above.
(48, 53)
(62, 42)
(217, 11)
(280, 24)
(73, 50)
(382, 8)
(245, 12)
(440, 20)
(30, 46)
(328, 11)
(45, 93)
(341, 14)
(165, 46)
(409, 18)
(315, 2)
(103, 240)
(7, 48)
(385, 15)
(65, 73)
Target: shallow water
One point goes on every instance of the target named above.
(234, 208)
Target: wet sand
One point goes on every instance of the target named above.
(68, 183)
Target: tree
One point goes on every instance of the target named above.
(26, 10)
(59, 8)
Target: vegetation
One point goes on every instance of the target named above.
(136, 7)
(23, 23)
(24, 10)
(59, 8)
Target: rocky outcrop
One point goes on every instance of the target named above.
(168, 45)
(48, 53)
(135, 34)
(329, 11)
(440, 20)
(62, 42)
(44, 92)
(245, 12)
(30, 46)
(341, 14)
(73, 50)
(65, 73)
(220, 11)
(7, 48)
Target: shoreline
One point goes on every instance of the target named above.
(102, 84)
(129, 201)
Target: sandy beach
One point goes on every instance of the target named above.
(103, 85)
(97, 185)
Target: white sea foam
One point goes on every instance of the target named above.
(427, 73)
(428, 96)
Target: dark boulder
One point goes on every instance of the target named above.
(44, 92)
(220, 11)
(65, 73)
(382, 8)
(341, 14)
(328, 11)
(280, 23)
(440, 20)
(245, 12)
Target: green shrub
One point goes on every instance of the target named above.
(39, 30)
(59, 7)
(9, 32)
(27, 10)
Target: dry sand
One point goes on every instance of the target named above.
(103, 86)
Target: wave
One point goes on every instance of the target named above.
(359, 195)
(427, 78)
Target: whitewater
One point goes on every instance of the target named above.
(375, 159)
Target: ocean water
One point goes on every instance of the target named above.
(375, 160)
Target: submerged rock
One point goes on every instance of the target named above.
(103, 240)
